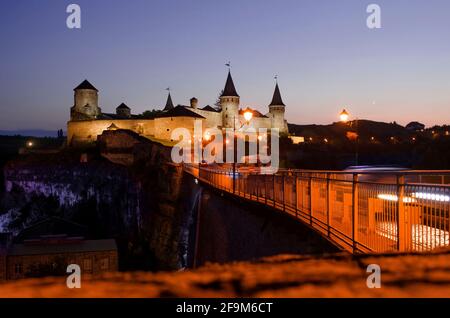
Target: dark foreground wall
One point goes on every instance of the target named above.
(232, 229)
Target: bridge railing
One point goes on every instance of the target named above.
(362, 212)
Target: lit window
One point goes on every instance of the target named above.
(87, 264)
(18, 268)
(104, 263)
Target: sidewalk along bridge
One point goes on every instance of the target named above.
(362, 212)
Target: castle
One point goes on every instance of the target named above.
(87, 121)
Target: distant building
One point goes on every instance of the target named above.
(48, 247)
(415, 126)
(124, 147)
(297, 139)
(87, 121)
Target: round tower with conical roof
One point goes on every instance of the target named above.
(85, 102)
(277, 110)
(229, 102)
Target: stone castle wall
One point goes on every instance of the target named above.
(212, 119)
(164, 126)
(81, 132)
(85, 132)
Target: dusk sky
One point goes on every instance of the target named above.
(324, 54)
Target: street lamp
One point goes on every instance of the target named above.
(344, 117)
(207, 136)
(248, 115)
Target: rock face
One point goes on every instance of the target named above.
(409, 275)
(84, 192)
(136, 204)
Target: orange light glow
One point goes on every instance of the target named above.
(344, 116)
(248, 115)
(351, 135)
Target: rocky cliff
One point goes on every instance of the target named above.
(138, 204)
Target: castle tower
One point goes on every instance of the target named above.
(229, 102)
(85, 102)
(123, 111)
(276, 111)
(169, 104)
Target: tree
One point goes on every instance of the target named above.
(150, 114)
(217, 103)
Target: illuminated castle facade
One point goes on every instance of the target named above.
(87, 120)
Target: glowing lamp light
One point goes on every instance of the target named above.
(248, 115)
(260, 137)
(344, 116)
(207, 136)
(227, 141)
(30, 144)
(431, 196)
(394, 198)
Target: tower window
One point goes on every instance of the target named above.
(18, 268)
(87, 264)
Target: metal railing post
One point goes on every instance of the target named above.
(355, 211)
(310, 198)
(234, 177)
(283, 190)
(265, 189)
(402, 222)
(273, 191)
(257, 187)
(328, 203)
(296, 195)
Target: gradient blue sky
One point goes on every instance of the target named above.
(323, 52)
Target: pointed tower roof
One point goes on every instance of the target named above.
(85, 85)
(276, 99)
(169, 104)
(229, 89)
(123, 106)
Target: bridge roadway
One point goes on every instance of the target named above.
(362, 212)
